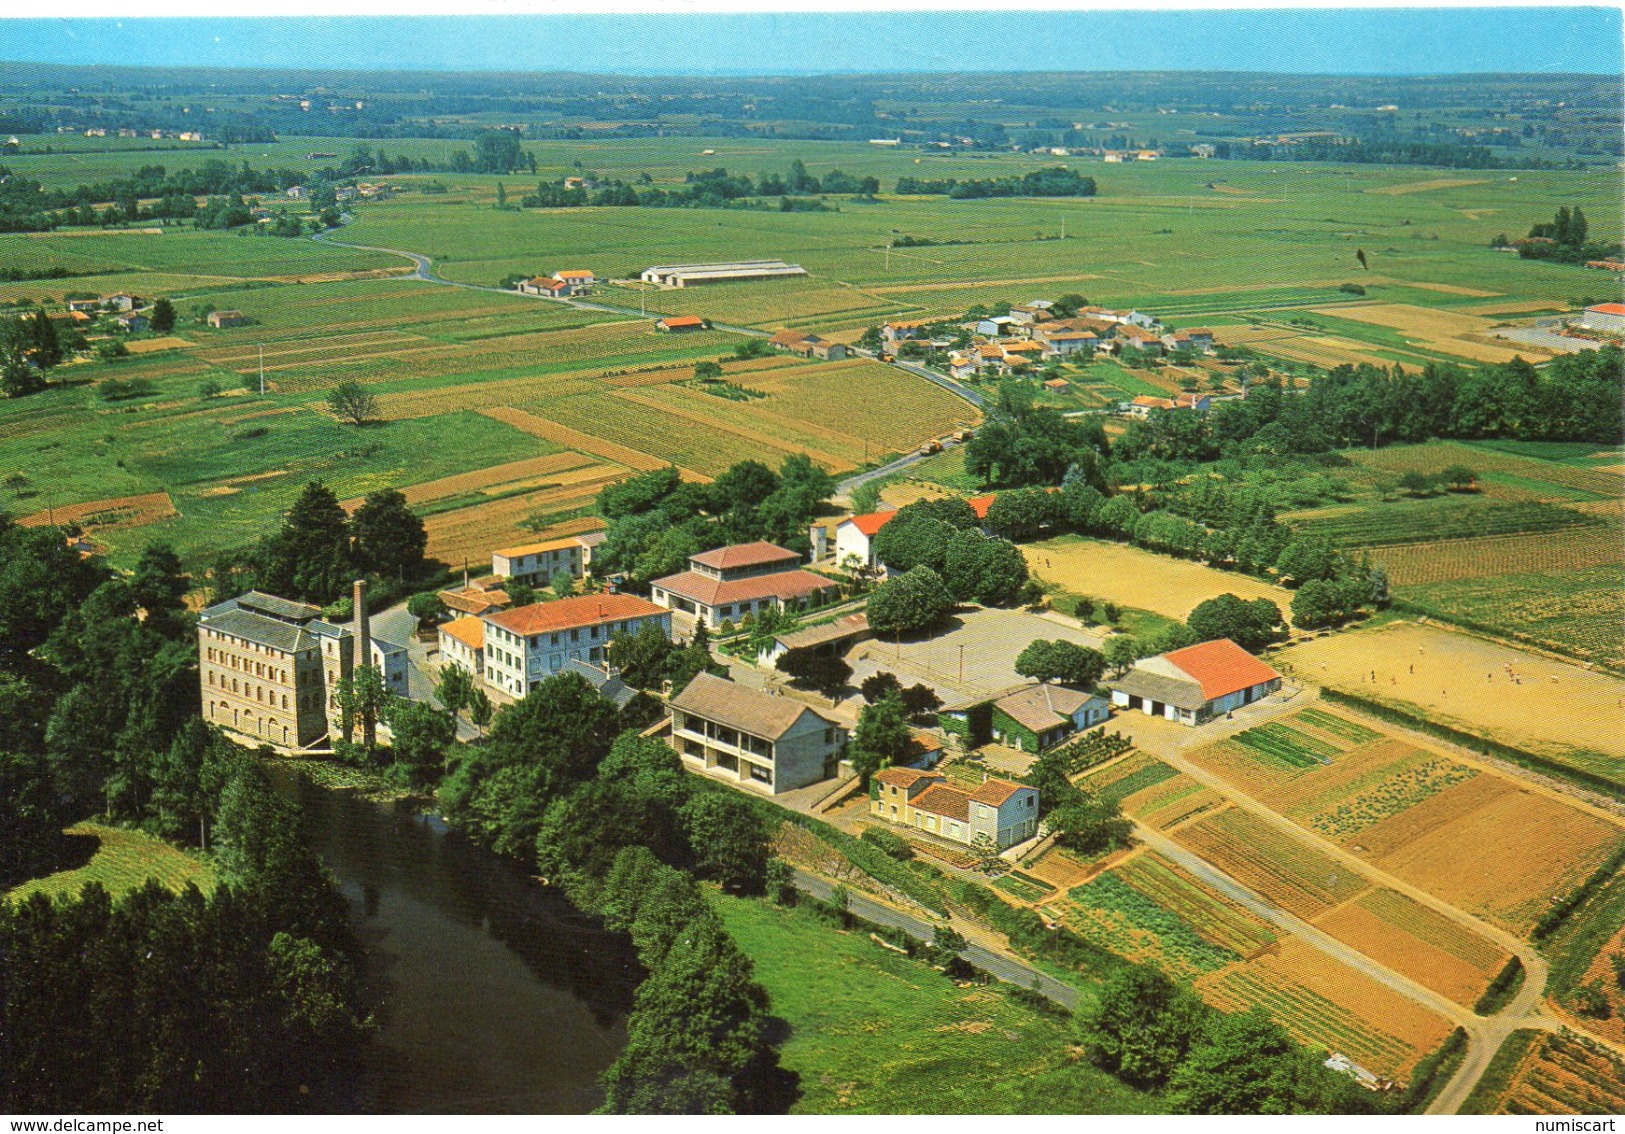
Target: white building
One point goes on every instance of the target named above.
(1606, 317)
(525, 646)
(690, 275)
(1004, 812)
(854, 537)
(752, 739)
(1195, 684)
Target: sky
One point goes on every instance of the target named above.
(1349, 41)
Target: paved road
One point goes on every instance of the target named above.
(995, 964)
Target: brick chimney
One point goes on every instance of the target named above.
(363, 628)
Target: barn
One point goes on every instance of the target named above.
(1195, 684)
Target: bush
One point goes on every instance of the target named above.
(889, 844)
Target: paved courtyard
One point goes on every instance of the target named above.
(974, 657)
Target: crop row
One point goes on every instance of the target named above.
(1339, 726)
(1288, 745)
(1312, 1018)
(1437, 930)
(1399, 791)
(1293, 874)
(1120, 789)
(1093, 749)
(1177, 940)
(1425, 521)
(1023, 886)
(1215, 918)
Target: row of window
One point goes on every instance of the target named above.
(259, 669)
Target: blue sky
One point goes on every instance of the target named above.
(1305, 41)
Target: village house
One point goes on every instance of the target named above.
(131, 322)
(268, 667)
(462, 643)
(528, 644)
(545, 286)
(1145, 403)
(752, 739)
(1023, 353)
(224, 319)
(1002, 812)
(1060, 339)
(854, 537)
(1139, 338)
(900, 332)
(578, 279)
(803, 345)
(537, 563)
(123, 301)
(1028, 718)
(994, 325)
(727, 583)
(681, 324)
(477, 596)
(1195, 684)
(1034, 311)
(85, 306)
(962, 366)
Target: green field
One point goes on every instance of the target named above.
(120, 860)
(872, 1032)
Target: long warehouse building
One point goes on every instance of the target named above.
(688, 275)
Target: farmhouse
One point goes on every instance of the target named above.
(528, 644)
(85, 305)
(1031, 312)
(803, 345)
(1060, 340)
(1606, 317)
(752, 739)
(476, 597)
(681, 324)
(854, 537)
(898, 332)
(1028, 718)
(223, 319)
(267, 666)
(1001, 812)
(462, 643)
(691, 275)
(545, 286)
(727, 583)
(1195, 684)
(1140, 338)
(995, 325)
(123, 301)
(131, 322)
(537, 563)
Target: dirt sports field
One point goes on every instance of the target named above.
(1554, 708)
(1130, 577)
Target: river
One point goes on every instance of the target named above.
(493, 994)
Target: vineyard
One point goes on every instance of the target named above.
(1118, 917)
(1404, 786)
(1290, 873)
(1426, 521)
(1328, 1006)
(1287, 745)
(1560, 1073)
(1580, 613)
(1418, 564)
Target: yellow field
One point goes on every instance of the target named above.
(1128, 576)
(1448, 332)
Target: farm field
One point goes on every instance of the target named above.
(1461, 681)
(1114, 572)
(1417, 942)
(1326, 1004)
(1273, 863)
(1550, 1073)
(872, 1032)
(120, 860)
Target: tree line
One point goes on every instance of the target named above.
(246, 998)
(1058, 181)
(706, 189)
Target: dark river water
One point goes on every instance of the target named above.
(493, 994)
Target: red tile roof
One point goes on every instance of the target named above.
(994, 793)
(744, 555)
(870, 522)
(980, 505)
(682, 321)
(940, 799)
(1221, 667)
(469, 631)
(1608, 308)
(714, 592)
(571, 613)
(904, 777)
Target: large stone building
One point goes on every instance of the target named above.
(268, 667)
(752, 739)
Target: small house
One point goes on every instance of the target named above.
(681, 324)
(1195, 684)
(224, 319)
(1002, 812)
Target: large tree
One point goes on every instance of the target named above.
(310, 557)
(1141, 1026)
(352, 401)
(1062, 661)
(883, 737)
(1251, 625)
(389, 538)
(914, 601)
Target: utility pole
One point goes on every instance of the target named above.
(262, 369)
(888, 255)
(1063, 226)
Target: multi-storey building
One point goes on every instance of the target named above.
(268, 667)
(752, 739)
(727, 583)
(1004, 812)
(525, 646)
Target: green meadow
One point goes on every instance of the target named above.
(121, 860)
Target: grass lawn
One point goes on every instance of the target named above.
(873, 1032)
(120, 860)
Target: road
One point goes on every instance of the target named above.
(995, 964)
(398, 626)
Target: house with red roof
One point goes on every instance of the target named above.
(526, 645)
(727, 583)
(1607, 317)
(1006, 813)
(1195, 684)
(854, 536)
(681, 324)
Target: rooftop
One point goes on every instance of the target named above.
(940, 799)
(470, 631)
(1608, 308)
(537, 548)
(870, 522)
(744, 555)
(570, 613)
(713, 592)
(1042, 707)
(847, 626)
(269, 632)
(748, 710)
(683, 321)
(1221, 667)
(904, 777)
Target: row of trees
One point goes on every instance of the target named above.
(706, 189)
(1055, 182)
(656, 521)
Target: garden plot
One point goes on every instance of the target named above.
(1121, 918)
(1562, 1073)
(106, 515)
(1167, 804)
(1118, 781)
(487, 478)
(1526, 848)
(1419, 943)
(1272, 863)
(1328, 1005)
